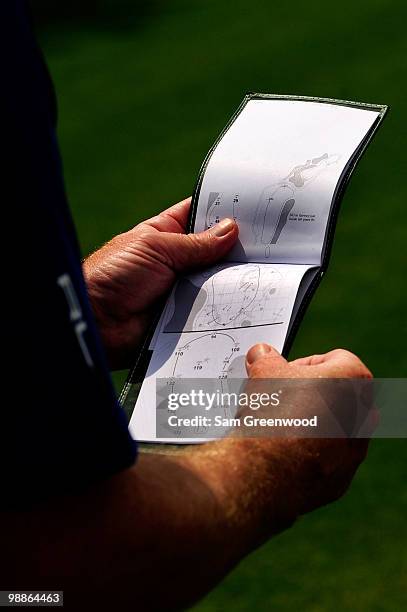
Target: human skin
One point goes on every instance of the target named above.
(130, 276)
(162, 533)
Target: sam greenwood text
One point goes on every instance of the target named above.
(247, 421)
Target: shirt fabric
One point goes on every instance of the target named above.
(61, 427)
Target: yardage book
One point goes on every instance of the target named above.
(279, 169)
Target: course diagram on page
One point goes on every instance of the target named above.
(277, 201)
(220, 206)
(229, 297)
(215, 353)
(278, 169)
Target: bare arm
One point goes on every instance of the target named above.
(157, 536)
(161, 534)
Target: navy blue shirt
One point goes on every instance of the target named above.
(61, 428)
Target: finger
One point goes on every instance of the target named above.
(323, 358)
(345, 361)
(173, 219)
(262, 360)
(338, 363)
(186, 251)
(308, 361)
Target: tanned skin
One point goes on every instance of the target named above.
(162, 533)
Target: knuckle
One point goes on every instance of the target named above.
(353, 363)
(344, 353)
(201, 247)
(143, 233)
(152, 248)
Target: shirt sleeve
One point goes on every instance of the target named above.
(61, 426)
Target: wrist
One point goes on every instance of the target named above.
(255, 483)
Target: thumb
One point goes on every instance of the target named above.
(264, 361)
(190, 250)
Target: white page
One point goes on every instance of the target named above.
(157, 328)
(211, 320)
(275, 170)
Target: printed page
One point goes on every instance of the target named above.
(211, 319)
(275, 171)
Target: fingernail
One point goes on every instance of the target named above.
(257, 351)
(223, 227)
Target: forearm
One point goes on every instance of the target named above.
(157, 536)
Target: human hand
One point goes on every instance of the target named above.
(128, 278)
(321, 469)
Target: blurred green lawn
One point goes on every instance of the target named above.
(141, 99)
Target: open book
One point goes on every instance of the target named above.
(279, 168)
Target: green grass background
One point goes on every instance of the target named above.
(144, 88)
